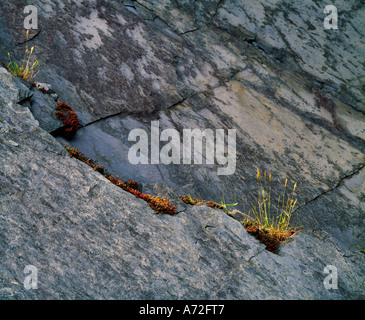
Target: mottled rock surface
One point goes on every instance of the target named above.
(293, 91)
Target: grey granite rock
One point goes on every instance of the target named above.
(13, 89)
(42, 106)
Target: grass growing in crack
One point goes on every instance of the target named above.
(25, 69)
(268, 224)
(225, 205)
(361, 249)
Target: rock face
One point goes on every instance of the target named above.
(292, 91)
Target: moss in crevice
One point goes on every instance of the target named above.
(192, 201)
(158, 204)
(69, 118)
(270, 238)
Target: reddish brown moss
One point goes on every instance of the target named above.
(193, 202)
(69, 118)
(270, 238)
(75, 153)
(190, 200)
(215, 205)
(132, 184)
(158, 204)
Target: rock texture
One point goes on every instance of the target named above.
(292, 90)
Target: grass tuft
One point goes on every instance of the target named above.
(269, 223)
(25, 69)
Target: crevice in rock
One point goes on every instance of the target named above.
(144, 7)
(209, 226)
(255, 255)
(29, 40)
(251, 41)
(153, 13)
(189, 31)
(103, 118)
(182, 100)
(337, 184)
(125, 113)
(138, 113)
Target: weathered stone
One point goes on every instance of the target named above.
(43, 109)
(13, 89)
